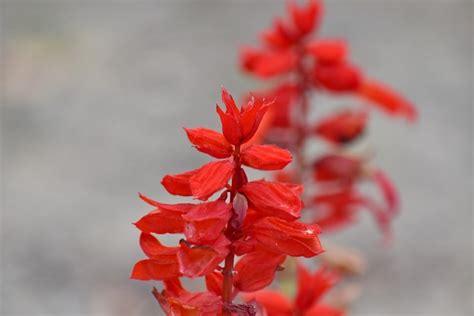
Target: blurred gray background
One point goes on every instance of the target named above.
(94, 95)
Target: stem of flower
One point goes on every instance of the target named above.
(229, 260)
(302, 117)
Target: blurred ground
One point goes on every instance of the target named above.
(94, 95)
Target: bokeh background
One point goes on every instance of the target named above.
(93, 98)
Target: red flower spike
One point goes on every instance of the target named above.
(387, 99)
(340, 77)
(153, 248)
(210, 178)
(294, 239)
(214, 282)
(178, 184)
(308, 18)
(206, 221)
(266, 157)
(274, 199)
(209, 142)
(160, 268)
(256, 270)
(254, 220)
(328, 51)
(342, 127)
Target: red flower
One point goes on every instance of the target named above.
(238, 126)
(216, 231)
(311, 287)
(342, 127)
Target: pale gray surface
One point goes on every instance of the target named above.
(96, 94)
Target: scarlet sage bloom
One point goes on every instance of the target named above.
(321, 63)
(304, 65)
(311, 288)
(255, 222)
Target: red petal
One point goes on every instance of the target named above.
(272, 301)
(387, 99)
(167, 218)
(334, 167)
(266, 157)
(251, 117)
(285, 97)
(340, 77)
(312, 287)
(201, 260)
(256, 270)
(306, 19)
(178, 184)
(389, 191)
(279, 36)
(207, 221)
(209, 142)
(160, 268)
(229, 103)
(336, 210)
(230, 127)
(342, 127)
(274, 198)
(215, 282)
(294, 239)
(153, 248)
(210, 178)
(265, 64)
(328, 51)
(275, 63)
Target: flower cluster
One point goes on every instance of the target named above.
(255, 221)
(304, 65)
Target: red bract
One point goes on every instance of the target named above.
(209, 142)
(215, 232)
(342, 127)
(311, 287)
(174, 300)
(387, 99)
(291, 238)
(266, 157)
(274, 199)
(256, 270)
(335, 167)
